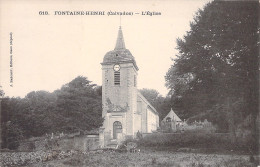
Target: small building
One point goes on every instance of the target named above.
(172, 122)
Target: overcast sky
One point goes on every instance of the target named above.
(49, 51)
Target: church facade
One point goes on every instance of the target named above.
(125, 109)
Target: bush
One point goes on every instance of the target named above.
(220, 141)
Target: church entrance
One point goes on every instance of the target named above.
(117, 128)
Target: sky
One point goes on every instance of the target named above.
(49, 51)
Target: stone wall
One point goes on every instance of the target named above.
(79, 142)
(45, 149)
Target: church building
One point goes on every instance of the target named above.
(125, 109)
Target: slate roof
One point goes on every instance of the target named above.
(120, 54)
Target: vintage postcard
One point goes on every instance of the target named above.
(129, 83)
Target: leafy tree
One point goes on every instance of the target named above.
(1, 92)
(75, 107)
(217, 64)
(11, 135)
(151, 95)
(79, 105)
(98, 90)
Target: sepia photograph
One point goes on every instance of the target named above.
(169, 83)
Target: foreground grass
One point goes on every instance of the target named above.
(151, 158)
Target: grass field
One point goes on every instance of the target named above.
(177, 150)
(150, 158)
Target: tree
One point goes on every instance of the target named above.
(217, 62)
(41, 111)
(1, 92)
(151, 95)
(11, 135)
(79, 105)
(11, 131)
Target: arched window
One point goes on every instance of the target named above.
(168, 119)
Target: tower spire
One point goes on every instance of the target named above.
(120, 20)
(120, 44)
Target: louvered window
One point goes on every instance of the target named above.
(117, 78)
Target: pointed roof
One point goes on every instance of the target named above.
(120, 54)
(120, 43)
(173, 116)
(140, 96)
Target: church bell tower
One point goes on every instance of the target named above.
(119, 91)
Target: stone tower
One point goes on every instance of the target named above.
(119, 91)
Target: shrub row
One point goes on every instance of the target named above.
(196, 140)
